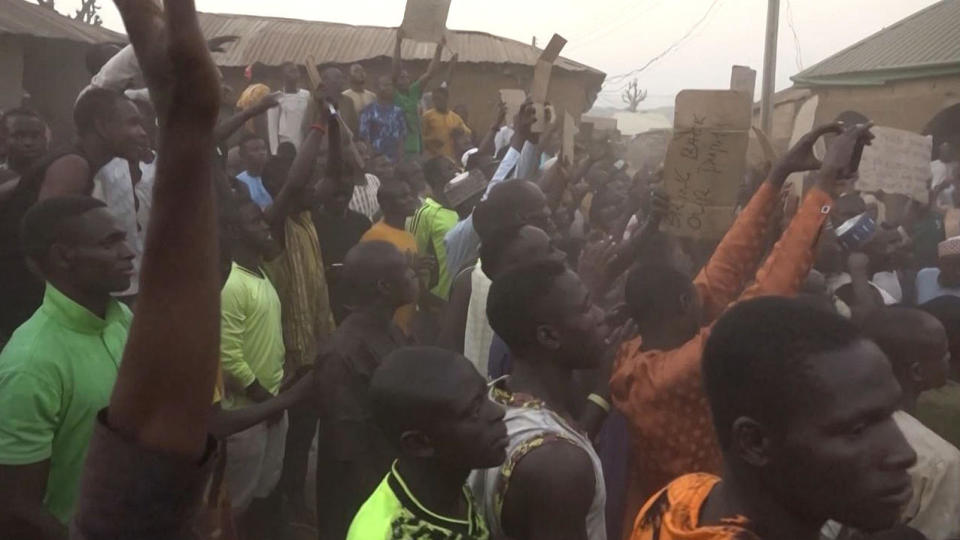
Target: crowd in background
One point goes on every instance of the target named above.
(337, 309)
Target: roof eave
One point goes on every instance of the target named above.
(878, 77)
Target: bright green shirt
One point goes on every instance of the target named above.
(393, 513)
(939, 410)
(56, 373)
(430, 226)
(251, 336)
(410, 103)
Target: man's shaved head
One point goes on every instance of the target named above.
(916, 344)
(377, 271)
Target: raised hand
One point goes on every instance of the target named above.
(800, 157)
(216, 44)
(174, 58)
(843, 158)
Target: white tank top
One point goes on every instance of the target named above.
(529, 424)
(478, 335)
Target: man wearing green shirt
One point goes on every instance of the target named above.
(59, 367)
(407, 95)
(939, 409)
(251, 357)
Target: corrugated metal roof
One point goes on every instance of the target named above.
(21, 18)
(274, 41)
(926, 43)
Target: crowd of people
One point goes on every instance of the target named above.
(330, 311)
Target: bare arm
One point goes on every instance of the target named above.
(230, 126)
(434, 65)
(453, 324)
(487, 145)
(22, 514)
(224, 423)
(161, 400)
(451, 65)
(557, 475)
(397, 66)
(301, 171)
(69, 175)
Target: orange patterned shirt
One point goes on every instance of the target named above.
(674, 514)
(661, 392)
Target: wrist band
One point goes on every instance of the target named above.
(319, 127)
(599, 401)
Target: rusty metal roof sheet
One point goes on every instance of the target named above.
(275, 40)
(924, 44)
(25, 19)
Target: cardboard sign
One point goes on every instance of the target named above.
(569, 134)
(705, 161)
(897, 161)
(552, 52)
(425, 20)
(513, 98)
(541, 72)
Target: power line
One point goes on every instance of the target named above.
(617, 25)
(797, 57)
(618, 78)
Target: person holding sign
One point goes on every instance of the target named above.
(407, 95)
(657, 380)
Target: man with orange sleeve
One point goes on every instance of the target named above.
(656, 381)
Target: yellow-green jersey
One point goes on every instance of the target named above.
(393, 513)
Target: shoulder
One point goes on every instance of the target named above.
(557, 470)
(375, 518)
(26, 367)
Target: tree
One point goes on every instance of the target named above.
(633, 95)
(88, 12)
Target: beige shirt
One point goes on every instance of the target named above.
(360, 100)
(934, 509)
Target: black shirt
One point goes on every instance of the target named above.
(337, 235)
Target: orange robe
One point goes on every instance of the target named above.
(661, 392)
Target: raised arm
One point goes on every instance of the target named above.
(230, 126)
(790, 260)
(161, 400)
(301, 172)
(434, 65)
(451, 65)
(736, 258)
(487, 145)
(397, 66)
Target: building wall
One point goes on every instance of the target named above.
(11, 65)
(475, 85)
(53, 74)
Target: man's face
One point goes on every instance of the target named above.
(382, 168)
(291, 74)
(473, 436)
(386, 90)
(254, 154)
(339, 200)
(358, 75)
(124, 132)
(403, 81)
(26, 139)
(576, 323)
(403, 202)
(441, 100)
(531, 244)
(402, 279)
(97, 253)
(932, 354)
(535, 210)
(255, 233)
(841, 456)
(414, 177)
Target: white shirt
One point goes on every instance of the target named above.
(129, 204)
(364, 198)
(928, 286)
(286, 122)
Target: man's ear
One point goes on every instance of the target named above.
(60, 257)
(750, 441)
(915, 372)
(416, 444)
(548, 337)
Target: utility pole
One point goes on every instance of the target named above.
(769, 66)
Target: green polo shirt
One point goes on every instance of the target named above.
(939, 410)
(251, 336)
(393, 512)
(430, 226)
(409, 102)
(56, 373)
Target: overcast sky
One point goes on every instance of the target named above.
(617, 36)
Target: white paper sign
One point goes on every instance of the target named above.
(897, 161)
(425, 20)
